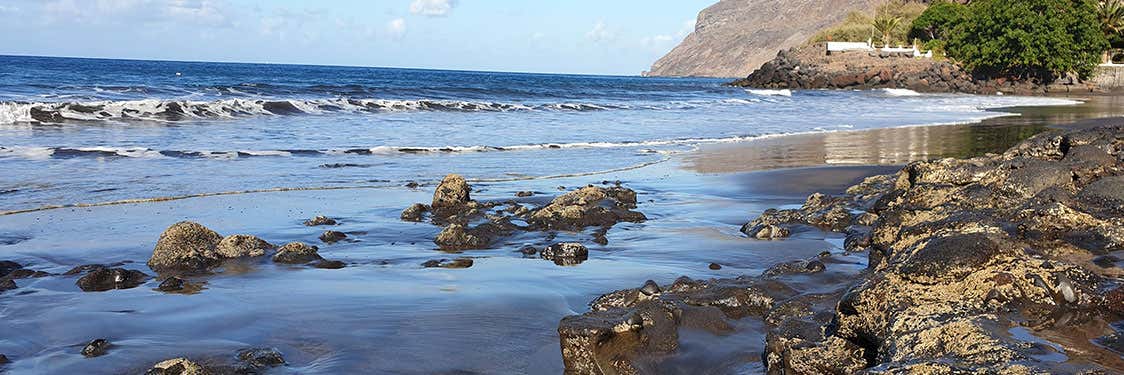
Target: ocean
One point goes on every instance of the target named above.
(90, 130)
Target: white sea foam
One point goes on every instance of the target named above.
(762, 92)
(32, 153)
(900, 92)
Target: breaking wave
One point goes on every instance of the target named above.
(180, 110)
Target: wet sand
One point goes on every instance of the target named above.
(384, 313)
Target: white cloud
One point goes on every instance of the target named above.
(600, 33)
(432, 8)
(396, 28)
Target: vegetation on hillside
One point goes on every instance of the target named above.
(889, 25)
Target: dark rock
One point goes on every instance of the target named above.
(320, 220)
(7, 284)
(330, 264)
(1109, 190)
(413, 185)
(4, 360)
(171, 284)
(453, 191)
(7, 267)
(95, 348)
(650, 288)
(26, 274)
(242, 245)
(106, 279)
(567, 253)
(524, 194)
(795, 267)
(185, 246)
(445, 263)
(261, 357)
(332, 236)
(296, 253)
(415, 212)
(715, 266)
(529, 250)
(766, 232)
(951, 258)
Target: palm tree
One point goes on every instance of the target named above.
(1111, 15)
(886, 25)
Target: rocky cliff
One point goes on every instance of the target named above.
(734, 37)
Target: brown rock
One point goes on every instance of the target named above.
(186, 246)
(453, 191)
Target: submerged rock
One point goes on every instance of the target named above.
(95, 348)
(567, 253)
(319, 221)
(445, 263)
(330, 264)
(7, 284)
(186, 246)
(8, 266)
(4, 360)
(297, 253)
(106, 279)
(171, 284)
(259, 358)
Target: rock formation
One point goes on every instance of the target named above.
(986, 265)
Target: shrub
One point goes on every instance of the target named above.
(1029, 38)
(938, 20)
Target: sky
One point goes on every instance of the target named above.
(622, 37)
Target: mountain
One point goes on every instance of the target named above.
(734, 37)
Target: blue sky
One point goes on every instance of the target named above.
(557, 36)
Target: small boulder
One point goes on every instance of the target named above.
(452, 192)
(177, 366)
(445, 263)
(529, 250)
(415, 212)
(105, 279)
(4, 360)
(524, 194)
(766, 231)
(330, 264)
(297, 253)
(715, 266)
(6, 285)
(243, 245)
(320, 220)
(185, 246)
(332, 236)
(171, 284)
(261, 357)
(567, 253)
(95, 348)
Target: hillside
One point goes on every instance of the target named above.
(734, 37)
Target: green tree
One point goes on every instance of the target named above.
(1029, 38)
(886, 26)
(938, 20)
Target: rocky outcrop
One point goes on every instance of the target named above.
(186, 246)
(565, 254)
(810, 67)
(734, 37)
(473, 225)
(242, 245)
(982, 265)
